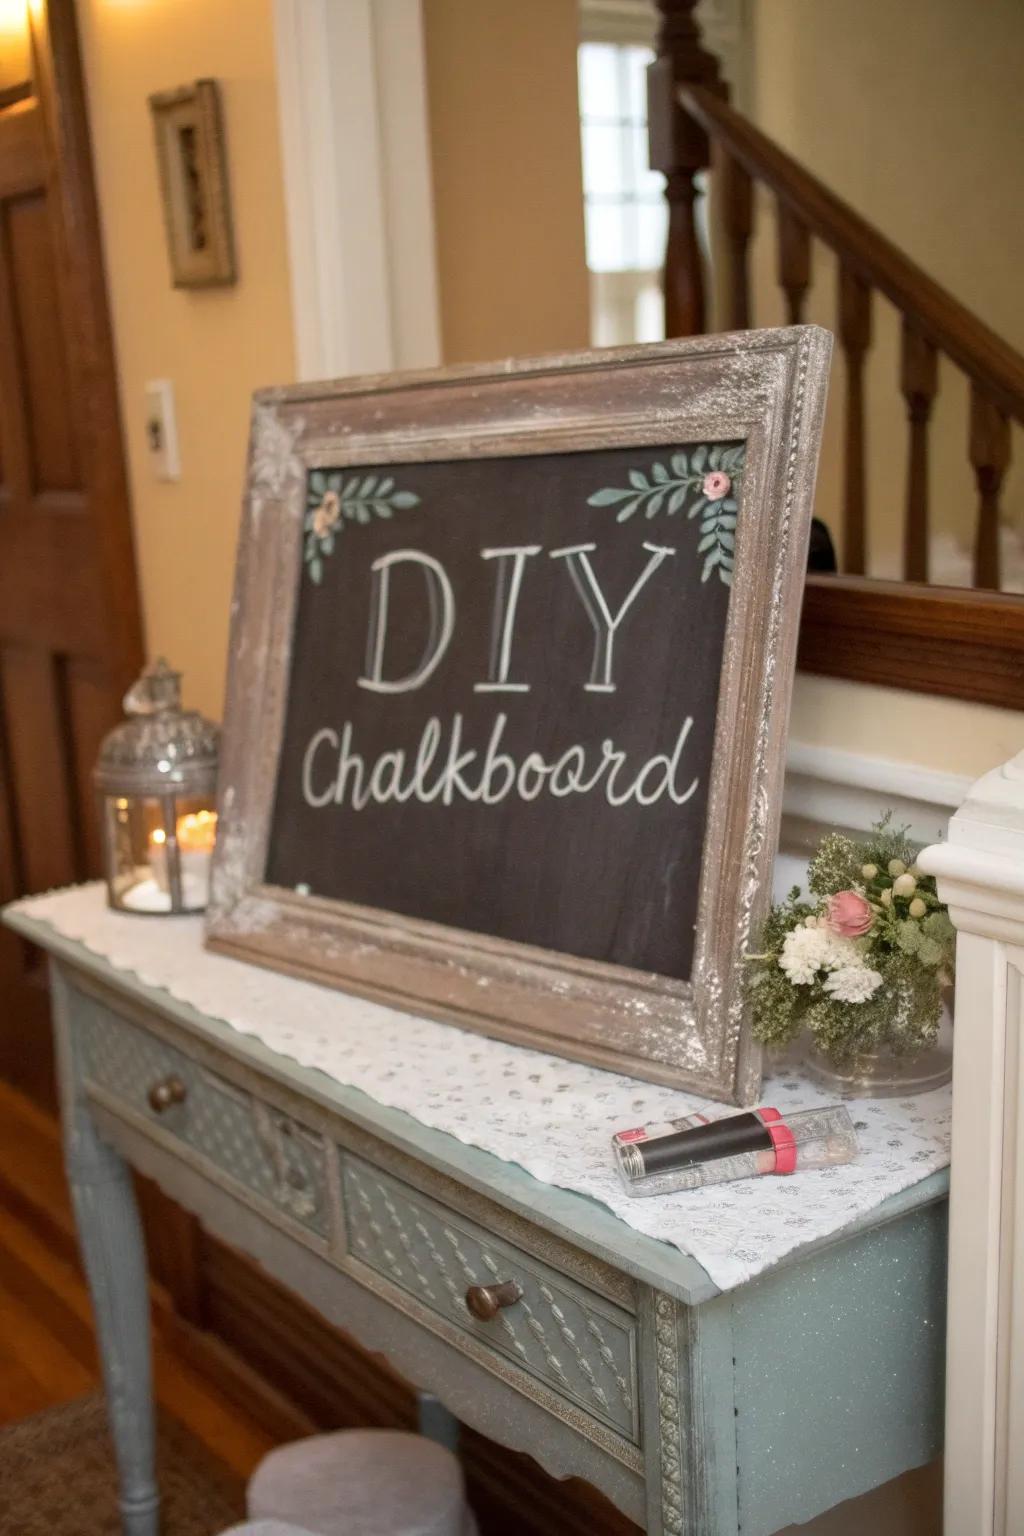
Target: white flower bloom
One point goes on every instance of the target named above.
(917, 907)
(904, 885)
(896, 866)
(841, 953)
(853, 984)
(869, 871)
(803, 954)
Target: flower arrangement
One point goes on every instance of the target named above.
(864, 962)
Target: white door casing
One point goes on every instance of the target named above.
(352, 96)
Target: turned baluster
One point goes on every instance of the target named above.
(679, 149)
(919, 381)
(855, 335)
(794, 262)
(736, 194)
(990, 458)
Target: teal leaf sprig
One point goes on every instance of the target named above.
(331, 499)
(704, 481)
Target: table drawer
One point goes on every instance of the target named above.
(253, 1144)
(578, 1343)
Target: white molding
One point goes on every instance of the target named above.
(980, 873)
(358, 196)
(829, 790)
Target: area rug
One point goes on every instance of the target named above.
(57, 1478)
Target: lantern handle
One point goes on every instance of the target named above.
(155, 691)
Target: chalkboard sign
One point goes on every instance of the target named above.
(512, 666)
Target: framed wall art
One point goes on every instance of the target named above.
(512, 653)
(194, 184)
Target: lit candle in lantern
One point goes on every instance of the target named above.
(196, 834)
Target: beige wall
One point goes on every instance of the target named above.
(501, 78)
(215, 345)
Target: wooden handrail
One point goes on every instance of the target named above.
(865, 253)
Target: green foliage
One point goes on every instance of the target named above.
(331, 498)
(668, 488)
(835, 867)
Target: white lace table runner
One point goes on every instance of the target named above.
(553, 1117)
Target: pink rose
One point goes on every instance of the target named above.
(716, 485)
(849, 915)
(326, 514)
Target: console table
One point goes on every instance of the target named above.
(535, 1315)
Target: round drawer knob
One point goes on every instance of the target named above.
(486, 1301)
(167, 1092)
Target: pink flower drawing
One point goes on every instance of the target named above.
(716, 485)
(849, 914)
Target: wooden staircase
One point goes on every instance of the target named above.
(966, 642)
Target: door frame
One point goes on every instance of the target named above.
(355, 140)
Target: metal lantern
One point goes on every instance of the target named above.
(157, 780)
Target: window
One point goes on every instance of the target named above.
(624, 201)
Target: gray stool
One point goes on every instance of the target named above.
(363, 1482)
(265, 1528)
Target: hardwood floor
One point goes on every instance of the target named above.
(47, 1349)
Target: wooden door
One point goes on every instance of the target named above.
(69, 622)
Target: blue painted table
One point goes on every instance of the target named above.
(534, 1314)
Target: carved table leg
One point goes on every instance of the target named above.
(113, 1252)
(691, 1433)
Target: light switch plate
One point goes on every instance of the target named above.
(162, 430)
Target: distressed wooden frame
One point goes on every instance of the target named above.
(194, 107)
(764, 387)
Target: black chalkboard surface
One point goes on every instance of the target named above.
(503, 692)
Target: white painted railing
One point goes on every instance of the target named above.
(980, 873)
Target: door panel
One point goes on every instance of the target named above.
(69, 625)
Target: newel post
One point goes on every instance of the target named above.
(679, 149)
(980, 873)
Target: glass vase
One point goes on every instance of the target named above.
(884, 1074)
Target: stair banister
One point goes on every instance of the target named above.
(962, 640)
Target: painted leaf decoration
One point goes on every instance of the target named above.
(385, 486)
(350, 489)
(700, 454)
(316, 569)
(679, 465)
(698, 506)
(715, 457)
(627, 511)
(638, 480)
(654, 505)
(609, 497)
(318, 482)
(707, 542)
(659, 473)
(676, 500)
(404, 499)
